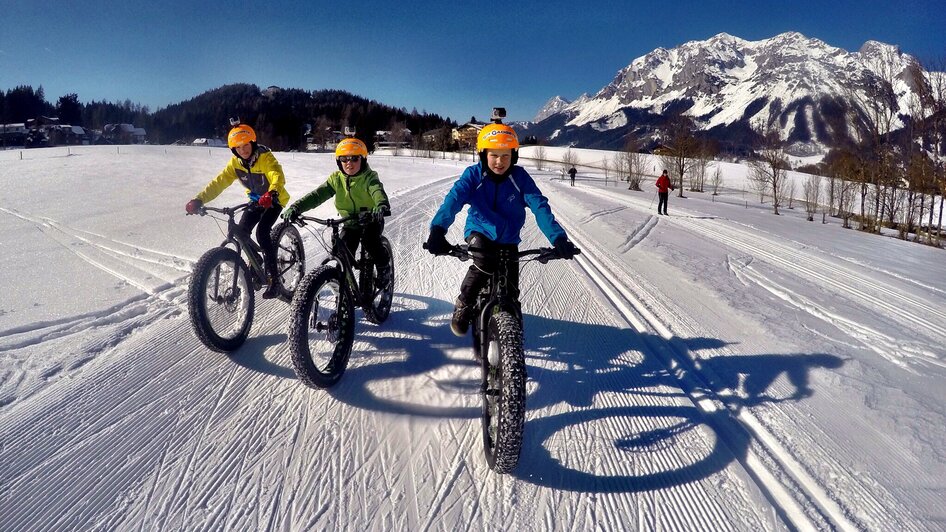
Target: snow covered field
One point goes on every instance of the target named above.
(718, 369)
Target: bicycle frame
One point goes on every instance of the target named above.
(497, 294)
(339, 251)
(242, 241)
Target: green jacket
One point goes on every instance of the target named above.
(362, 190)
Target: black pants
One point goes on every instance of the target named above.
(485, 262)
(263, 220)
(369, 235)
(662, 202)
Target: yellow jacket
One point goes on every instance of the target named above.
(263, 174)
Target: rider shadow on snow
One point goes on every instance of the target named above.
(412, 343)
(599, 363)
(252, 356)
(584, 366)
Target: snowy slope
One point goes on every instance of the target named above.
(719, 369)
(791, 82)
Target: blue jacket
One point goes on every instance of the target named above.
(497, 210)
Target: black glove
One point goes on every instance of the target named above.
(437, 241)
(565, 248)
(379, 212)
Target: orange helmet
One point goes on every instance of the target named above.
(351, 146)
(497, 137)
(240, 135)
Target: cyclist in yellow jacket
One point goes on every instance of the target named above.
(255, 166)
(356, 188)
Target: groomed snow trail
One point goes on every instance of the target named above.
(654, 402)
(804, 456)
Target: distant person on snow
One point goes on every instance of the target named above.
(571, 173)
(258, 170)
(497, 192)
(663, 191)
(356, 188)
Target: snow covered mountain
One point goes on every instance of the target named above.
(728, 85)
(555, 105)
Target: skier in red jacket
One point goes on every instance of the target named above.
(664, 186)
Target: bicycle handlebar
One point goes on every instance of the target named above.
(464, 252)
(229, 211)
(334, 222)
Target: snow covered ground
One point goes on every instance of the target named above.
(718, 369)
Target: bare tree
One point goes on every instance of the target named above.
(833, 187)
(539, 156)
(705, 153)
(770, 169)
(680, 148)
(758, 183)
(716, 180)
(929, 86)
(631, 163)
(875, 107)
(788, 192)
(614, 165)
(398, 134)
(569, 159)
(846, 202)
(812, 191)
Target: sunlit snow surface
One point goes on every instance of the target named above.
(718, 369)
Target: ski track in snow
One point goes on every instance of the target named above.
(162, 433)
(871, 505)
(912, 313)
(203, 463)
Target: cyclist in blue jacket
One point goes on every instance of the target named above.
(497, 192)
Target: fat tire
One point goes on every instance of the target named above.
(377, 313)
(300, 310)
(502, 451)
(292, 252)
(196, 300)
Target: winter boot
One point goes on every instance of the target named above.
(272, 288)
(462, 314)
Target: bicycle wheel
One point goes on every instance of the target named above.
(221, 300)
(504, 392)
(378, 305)
(321, 327)
(290, 259)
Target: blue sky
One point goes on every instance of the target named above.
(456, 59)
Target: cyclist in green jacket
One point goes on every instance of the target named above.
(356, 187)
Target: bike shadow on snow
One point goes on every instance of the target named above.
(252, 356)
(412, 342)
(591, 367)
(588, 367)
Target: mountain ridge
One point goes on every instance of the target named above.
(728, 85)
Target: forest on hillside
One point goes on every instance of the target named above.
(283, 118)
